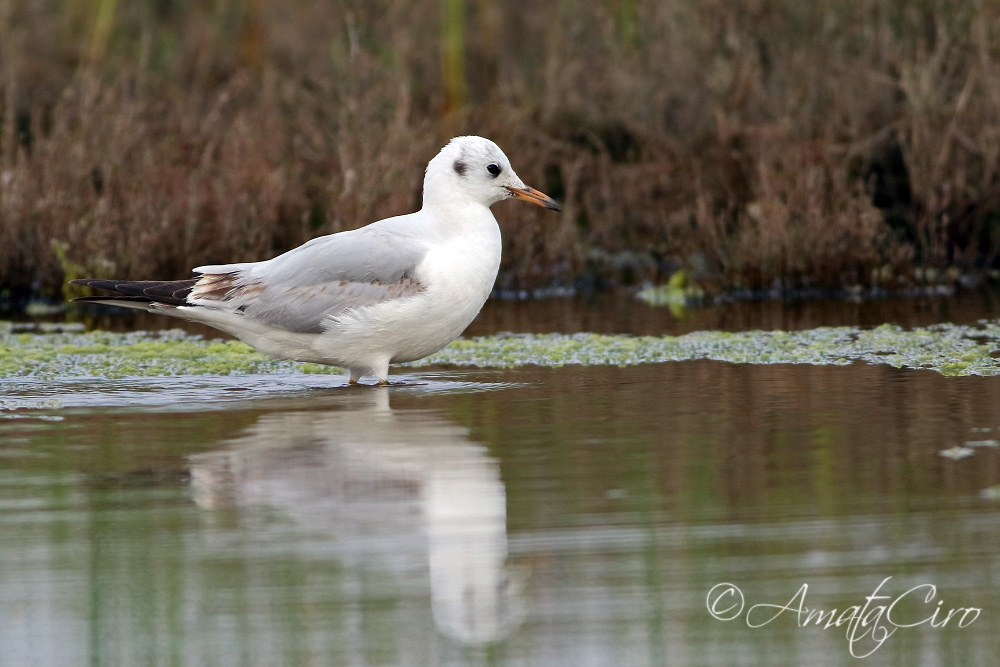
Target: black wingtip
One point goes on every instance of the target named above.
(171, 292)
(107, 299)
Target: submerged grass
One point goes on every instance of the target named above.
(946, 348)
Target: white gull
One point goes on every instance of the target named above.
(393, 291)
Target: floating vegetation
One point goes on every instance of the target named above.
(946, 348)
(990, 493)
(8, 406)
(117, 355)
(675, 295)
(956, 453)
(45, 418)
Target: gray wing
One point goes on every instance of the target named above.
(304, 288)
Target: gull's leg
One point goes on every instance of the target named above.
(381, 371)
(354, 374)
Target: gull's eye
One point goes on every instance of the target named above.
(494, 169)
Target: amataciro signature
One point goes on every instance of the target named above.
(875, 619)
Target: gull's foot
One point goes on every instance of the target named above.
(383, 383)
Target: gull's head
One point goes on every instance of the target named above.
(475, 169)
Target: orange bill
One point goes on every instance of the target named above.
(535, 197)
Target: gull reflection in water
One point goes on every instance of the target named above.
(369, 473)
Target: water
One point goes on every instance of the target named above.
(565, 516)
(621, 313)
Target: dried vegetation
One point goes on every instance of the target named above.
(755, 144)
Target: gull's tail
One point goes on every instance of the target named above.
(139, 294)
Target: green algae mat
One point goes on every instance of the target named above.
(67, 351)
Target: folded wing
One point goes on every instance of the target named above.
(301, 291)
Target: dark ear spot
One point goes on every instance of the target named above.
(460, 167)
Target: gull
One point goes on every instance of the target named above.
(393, 291)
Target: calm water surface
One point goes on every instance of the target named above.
(621, 313)
(569, 516)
